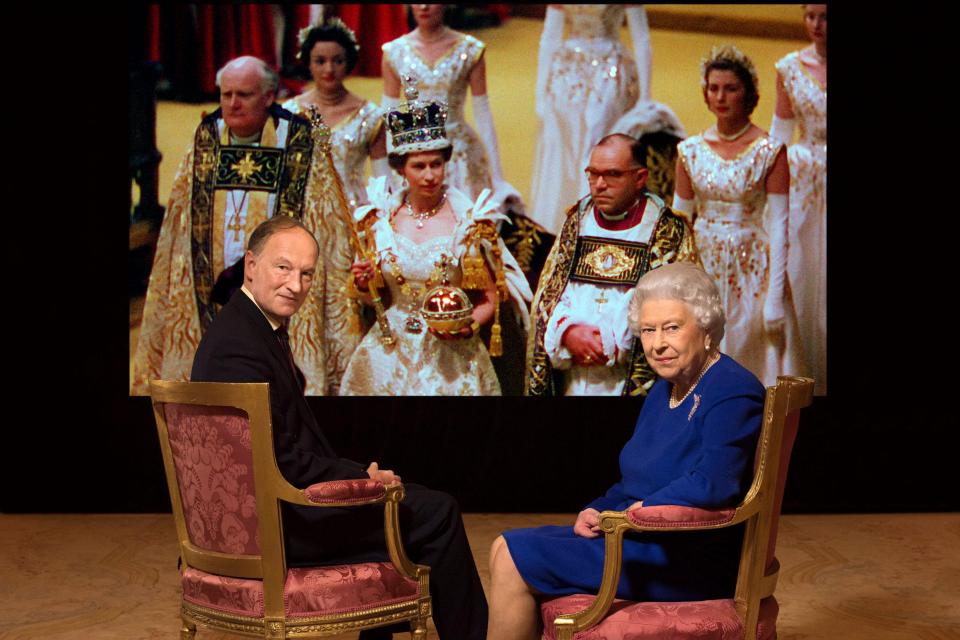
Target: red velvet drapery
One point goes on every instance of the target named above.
(192, 41)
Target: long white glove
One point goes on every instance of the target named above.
(389, 104)
(502, 190)
(781, 129)
(683, 207)
(640, 34)
(773, 312)
(488, 134)
(550, 40)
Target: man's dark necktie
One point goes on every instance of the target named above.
(284, 338)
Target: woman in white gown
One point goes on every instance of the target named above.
(585, 83)
(330, 50)
(445, 63)
(428, 234)
(725, 178)
(802, 99)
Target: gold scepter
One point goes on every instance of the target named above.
(359, 241)
(320, 134)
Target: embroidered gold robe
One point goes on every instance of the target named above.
(608, 265)
(220, 194)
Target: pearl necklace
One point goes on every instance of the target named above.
(420, 216)
(733, 136)
(326, 101)
(674, 403)
(442, 31)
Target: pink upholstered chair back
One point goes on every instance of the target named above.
(213, 458)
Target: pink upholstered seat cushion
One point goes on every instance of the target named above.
(308, 591)
(344, 491)
(706, 619)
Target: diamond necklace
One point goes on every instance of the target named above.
(420, 216)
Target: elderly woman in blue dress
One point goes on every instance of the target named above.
(693, 446)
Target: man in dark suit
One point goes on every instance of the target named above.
(247, 342)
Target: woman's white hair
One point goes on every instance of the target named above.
(687, 283)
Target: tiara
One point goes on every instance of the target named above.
(728, 53)
(334, 23)
(416, 126)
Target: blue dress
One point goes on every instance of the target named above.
(699, 455)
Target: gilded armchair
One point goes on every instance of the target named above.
(226, 492)
(752, 612)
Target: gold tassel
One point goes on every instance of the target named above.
(475, 274)
(496, 341)
(377, 279)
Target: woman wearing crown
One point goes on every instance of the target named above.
(431, 263)
(447, 63)
(725, 178)
(330, 51)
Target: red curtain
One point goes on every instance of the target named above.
(374, 25)
(192, 41)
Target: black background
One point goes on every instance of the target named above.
(881, 441)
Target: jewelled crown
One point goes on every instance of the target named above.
(729, 53)
(416, 126)
(334, 23)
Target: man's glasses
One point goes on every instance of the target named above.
(610, 175)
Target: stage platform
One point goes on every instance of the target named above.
(113, 577)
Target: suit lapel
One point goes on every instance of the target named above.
(265, 333)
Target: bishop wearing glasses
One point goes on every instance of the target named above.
(580, 342)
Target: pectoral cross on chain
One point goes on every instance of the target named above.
(235, 226)
(234, 223)
(601, 300)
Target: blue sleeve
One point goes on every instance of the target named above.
(728, 443)
(612, 500)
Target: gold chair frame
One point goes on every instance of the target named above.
(754, 581)
(271, 567)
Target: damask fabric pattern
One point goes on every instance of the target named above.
(704, 619)
(307, 591)
(447, 80)
(214, 464)
(807, 260)
(728, 227)
(350, 141)
(323, 333)
(592, 81)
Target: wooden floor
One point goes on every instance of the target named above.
(851, 577)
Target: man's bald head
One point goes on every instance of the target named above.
(268, 77)
(247, 89)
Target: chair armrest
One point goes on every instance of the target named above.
(614, 525)
(345, 492)
(676, 518)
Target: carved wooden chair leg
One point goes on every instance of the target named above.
(418, 629)
(187, 630)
